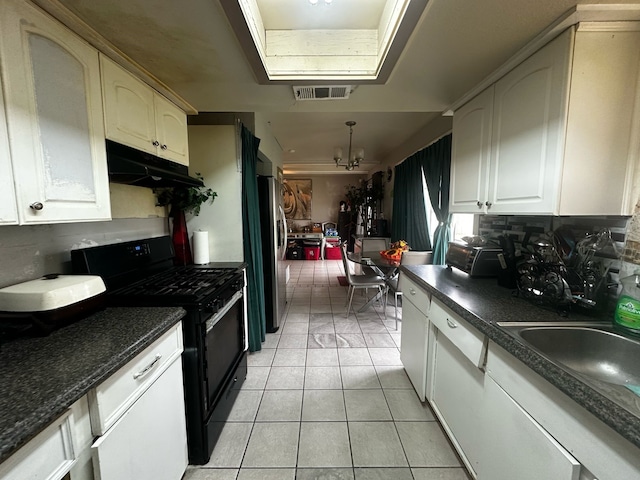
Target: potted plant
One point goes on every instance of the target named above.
(362, 197)
(182, 200)
(356, 196)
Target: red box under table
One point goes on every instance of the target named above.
(332, 253)
(311, 253)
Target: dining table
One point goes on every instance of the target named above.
(384, 267)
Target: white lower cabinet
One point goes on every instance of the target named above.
(54, 452)
(82, 468)
(413, 346)
(139, 415)
(149, 441)
(505, 421)
(49, 455)
(456, 399)
(516, 446)
(554, 425)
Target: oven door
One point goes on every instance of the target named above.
(224, 344)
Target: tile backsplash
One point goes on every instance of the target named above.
(517, 227)
(611, 259)
(29, 252)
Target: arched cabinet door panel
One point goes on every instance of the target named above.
(138, 116)
(8, 207)
(54, 116)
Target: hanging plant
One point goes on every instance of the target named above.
(185, 199)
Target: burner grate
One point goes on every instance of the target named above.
(186, 281)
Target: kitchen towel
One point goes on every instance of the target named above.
(200, 247)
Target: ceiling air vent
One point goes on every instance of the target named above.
(326, 92)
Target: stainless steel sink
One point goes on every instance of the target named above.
(597, 352)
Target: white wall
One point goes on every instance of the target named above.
(129, 201)
(268, 144)
(213, 154)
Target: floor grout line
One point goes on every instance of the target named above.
(301, 298)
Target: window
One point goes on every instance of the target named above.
(462, 224)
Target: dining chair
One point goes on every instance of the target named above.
(371, 244)
(325, 226)
(409, 257)
(360, 282)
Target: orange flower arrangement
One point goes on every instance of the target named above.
(394, 253)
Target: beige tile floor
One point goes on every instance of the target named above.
(327, 398)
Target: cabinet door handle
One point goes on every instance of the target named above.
(163, 147)
(488, 204)
(36, 206)
(479, 204)
(146, 369)
(412, 291)
(156, 143)
(451, 324)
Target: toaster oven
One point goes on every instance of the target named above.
(476, 261)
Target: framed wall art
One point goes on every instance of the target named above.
(297, 199)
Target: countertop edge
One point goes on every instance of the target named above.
(604, 409)
(24, 430)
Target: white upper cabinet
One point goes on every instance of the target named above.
(560, 128)
(137, 116)
(8, 207)
(529, 106)
(54, 115)
(128, 108)
(171, 129)
(471, 147)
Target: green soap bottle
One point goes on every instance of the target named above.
(627, 314)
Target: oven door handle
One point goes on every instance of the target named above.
(221, 313)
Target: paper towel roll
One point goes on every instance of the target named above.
(200, 247)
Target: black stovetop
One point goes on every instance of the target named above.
(142, 273)
(176, 286)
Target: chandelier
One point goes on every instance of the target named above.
(354, 156)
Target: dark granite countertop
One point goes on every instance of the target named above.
(482, 303)
(41, 377)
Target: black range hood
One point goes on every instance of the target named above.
(134, 167)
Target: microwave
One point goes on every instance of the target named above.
(475, 261)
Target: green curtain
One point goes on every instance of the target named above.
(252, 241)
(409, 220)
(436, 165)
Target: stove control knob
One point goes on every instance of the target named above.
(213, 306)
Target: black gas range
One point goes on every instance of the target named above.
(141, 273)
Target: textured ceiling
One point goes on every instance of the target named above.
(456, 44)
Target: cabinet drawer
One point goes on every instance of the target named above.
(114, 396)
(467, 339)
(49, 455)
(149, 441)
(416, 295)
